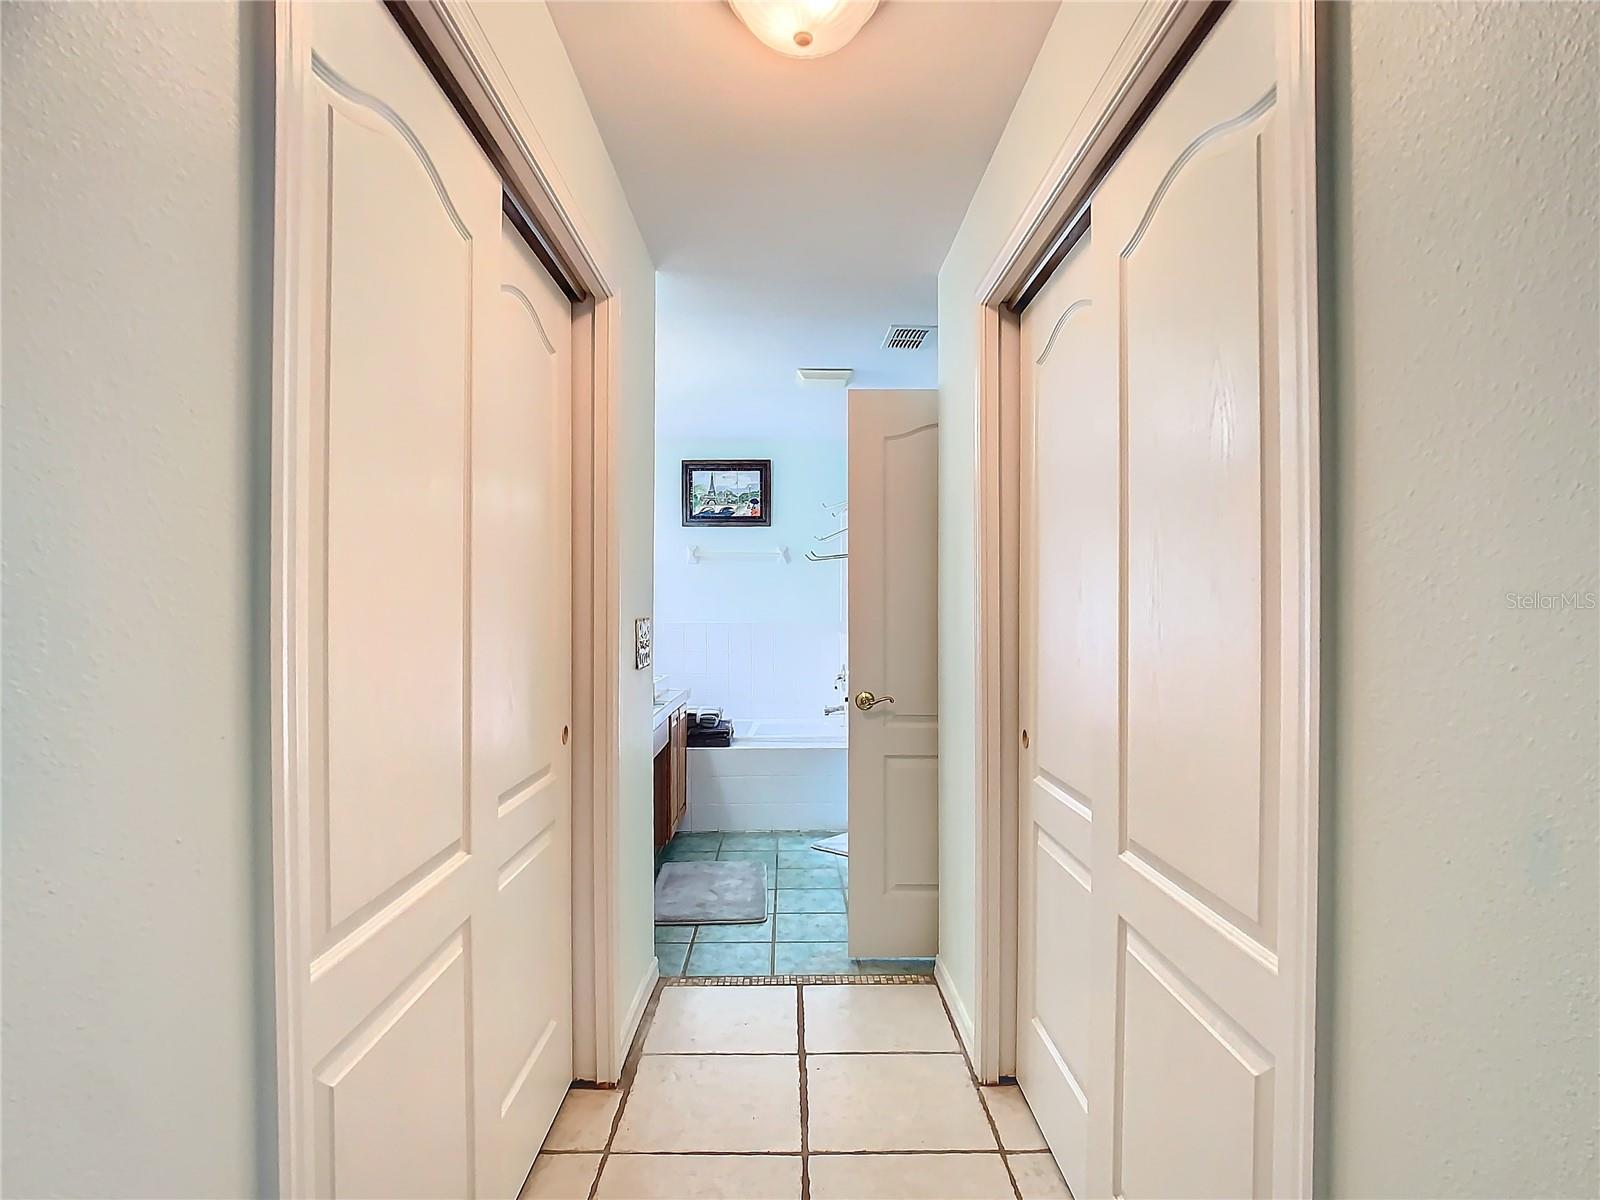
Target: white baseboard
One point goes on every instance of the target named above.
(635, 1014)
(958, 1008)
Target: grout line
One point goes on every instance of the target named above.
(805, 1094)
(786, 1153)
(983, 1102)
(814, 1053)
(630, 1069)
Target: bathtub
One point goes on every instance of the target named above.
(780, 773)
(825, 733)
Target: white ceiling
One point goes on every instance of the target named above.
(795, 209)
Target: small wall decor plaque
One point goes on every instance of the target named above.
(727, 492)
(641, 643)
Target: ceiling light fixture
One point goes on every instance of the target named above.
(804, 28)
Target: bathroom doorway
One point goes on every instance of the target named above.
(772, 763)
(749, 660)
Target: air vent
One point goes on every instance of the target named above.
(907, 337)
(831, 375)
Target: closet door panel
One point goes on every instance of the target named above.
(1195, 1033)
(398, 396)
(1069, 536)
(399, 214)
(521, 707)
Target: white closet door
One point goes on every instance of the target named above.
(1069, 683)
(433, 803)
(1162, 998)
(521, 686)
(1199, 1059)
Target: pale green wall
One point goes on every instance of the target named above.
(1458, 1052)
(137, 283)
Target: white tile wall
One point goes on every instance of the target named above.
(753, 669)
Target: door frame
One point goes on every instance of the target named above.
(1162, 38)
(454, 47)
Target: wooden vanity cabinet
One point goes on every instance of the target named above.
(672, 778)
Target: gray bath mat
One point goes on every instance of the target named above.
(838, 844)
(711, 893)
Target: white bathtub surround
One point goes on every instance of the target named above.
(755, 670)
(777, 775)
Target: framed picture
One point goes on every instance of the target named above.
(730, 492)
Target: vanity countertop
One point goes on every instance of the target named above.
(669, 703)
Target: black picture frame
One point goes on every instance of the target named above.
(726, 515)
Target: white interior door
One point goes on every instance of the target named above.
(892, 583)
(521, 712)
(1163, 988)
(432, 1028)
(1068, 612)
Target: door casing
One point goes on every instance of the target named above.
(455, 50)
(1162, 38)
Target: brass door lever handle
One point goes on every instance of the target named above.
(866, 700)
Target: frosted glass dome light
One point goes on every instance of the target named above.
(804, 28)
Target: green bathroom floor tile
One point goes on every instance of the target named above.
(753, 932)
(767, 858)
(808, 858)
(815, 958)
(671, 956)
(750, 841)
(802, 841)
(812, 927)
(807, 877)
(696, 841)
(672, 853)
(811, 900)
(729, 958)
(896, 966)
(674, 933)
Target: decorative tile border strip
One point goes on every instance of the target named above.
(788, 980)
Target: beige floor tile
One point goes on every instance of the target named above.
(713, 1103)
(909, 1177)
(845, 1019)
(701, 1177)
(894, 1102)
(584, 1122)
(561, 1177)
(1038, 1178)
(724, 1020)
(1013, 1118)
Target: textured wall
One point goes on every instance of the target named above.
(137, 1056)
(1080, 43)
(1458, 964)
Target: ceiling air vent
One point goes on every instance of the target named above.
(907, 337)
(825, 374)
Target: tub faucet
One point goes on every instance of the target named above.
(834, 710)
